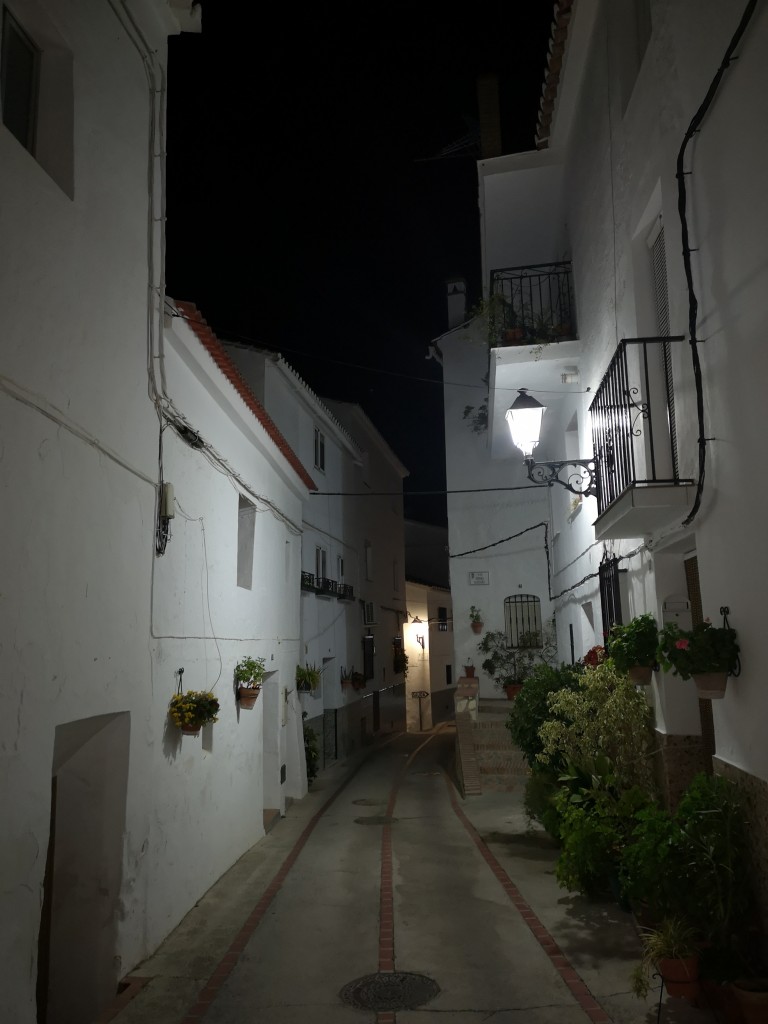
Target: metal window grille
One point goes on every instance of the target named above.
(610, 596)
(522, 620)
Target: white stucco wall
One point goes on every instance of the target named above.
(617, 143)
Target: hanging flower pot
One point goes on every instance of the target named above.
(711, 685)
(476, 620)
(190, 730)
(476, 627)
(512, 690)
(192, 710)
(248, 695)
(640, 675)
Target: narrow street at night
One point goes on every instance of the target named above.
(383, 872)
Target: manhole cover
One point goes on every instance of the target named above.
(393, 991)
(365, 802)
(375, 819)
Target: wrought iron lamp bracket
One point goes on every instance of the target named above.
(578, 480)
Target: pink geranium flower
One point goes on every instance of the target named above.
(681, 645)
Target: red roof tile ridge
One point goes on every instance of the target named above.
(557, 43)
(199, 326)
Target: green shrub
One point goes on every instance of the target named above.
(530, 710)
(541, 790)
(605, 716)
(311, 749)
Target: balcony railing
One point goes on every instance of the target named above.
(307, 580)
(531, 305)
(326, 587)
(345, 592)
(633, 424)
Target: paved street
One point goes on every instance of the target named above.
(384, 870)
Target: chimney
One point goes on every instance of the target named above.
(490, 116)
(457, 301)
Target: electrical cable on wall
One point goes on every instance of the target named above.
(693, 304)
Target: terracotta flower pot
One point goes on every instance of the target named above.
(711, 685)
(247, 696)
(512, 690)
(469, 671)
(476, 627)
(640, 675)
(190, 730)
(681, 977)
(751, 994)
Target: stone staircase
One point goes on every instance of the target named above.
(500, 765)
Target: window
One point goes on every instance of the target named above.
(19, 78)
(442, 620)
(340, 569)
(37, 91)
(369, 613)
(448, 675)
(321, 564)
(369, 650)
(319, 449)
(610, 595)
(246, 528)
(522, 620)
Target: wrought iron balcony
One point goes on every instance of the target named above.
(531, 305)
(326, 588)
(307, 580)
(638, 485)
(345, 592)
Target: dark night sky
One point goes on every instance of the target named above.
(304, 212)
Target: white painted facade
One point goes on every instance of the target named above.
(598, 196)
(95, 625)
(428, 640)
(349, 540)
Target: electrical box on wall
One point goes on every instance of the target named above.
(166, 502)
(677, 610)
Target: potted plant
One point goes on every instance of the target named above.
(469, 669)
(400, 662)
(671, 949)
(476, 620)
(358, 680)
(509, 667)
(707, 653)
(633, 648)
(347, 676)
(307, 678)
(751, 994)
(249, 675)
(193, 709)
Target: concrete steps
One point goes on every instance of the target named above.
(500, 765)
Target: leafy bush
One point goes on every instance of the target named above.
(311, 749)
(604, 716)
(530, 710)
(541, 790)
(693, 863)
(634, 644)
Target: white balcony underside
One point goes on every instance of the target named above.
(642, 509)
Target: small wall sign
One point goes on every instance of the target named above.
(479, 579)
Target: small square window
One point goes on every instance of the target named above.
(19, 78)
(319, 449)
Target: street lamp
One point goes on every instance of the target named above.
(524, 418)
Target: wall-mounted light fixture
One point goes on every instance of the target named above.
(420, 641)
(524, 417)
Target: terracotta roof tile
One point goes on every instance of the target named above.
(220, 356)
(562, 16)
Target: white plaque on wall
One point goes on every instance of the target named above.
(479, 579)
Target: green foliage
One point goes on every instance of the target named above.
(400, 662)
(604, 716)
(634, 644)
(475, 615)
(513, 665)
(311, 749)
(193, 708)
(249, 670)
(705, 648)
(596, 820)
(531, 710)
(674, 939)
(693, 864)
(307, 677)
(541, 790)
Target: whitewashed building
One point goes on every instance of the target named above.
(113, 824)
(653, 384)
(352, 555)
